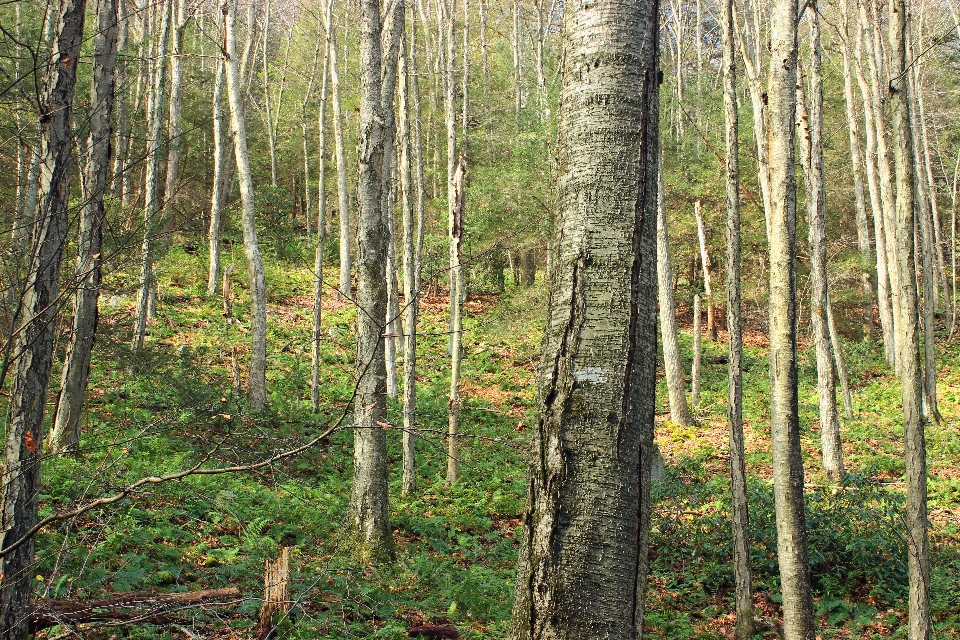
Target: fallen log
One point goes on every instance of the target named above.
(153, 608)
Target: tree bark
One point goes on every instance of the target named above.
(413, 252)
(584, 544)
(369, 513)
(811, 150)
(391, 51)
(343, 196)
(839, 363)
(180, 21)
(34, 349)
(456, 325)
(928, 281)
(884, 302)
(857, 165)
(65, 432)
(705, 261)
(697, 352)
(743, 578)
(152, 196)
(221, 177)
(321, 230)
(908, 338)
(673, 367)
(871, 37)
(517, 69)
(257, 379)
(784, 420)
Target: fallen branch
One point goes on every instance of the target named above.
(154, 608)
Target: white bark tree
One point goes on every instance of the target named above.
(257, 376)
(583, 549)
(784, 420)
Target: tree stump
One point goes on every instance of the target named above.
(276, 594)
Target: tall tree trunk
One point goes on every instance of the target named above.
(705, 261)
(305, 129)
(180, 21)
(455, 206)
(465, 107)
(257, 377)
(857, 164)
(343, 196)
(583, 546)
(153, 198)
(517, 69)
(884, 301)
(121, 140)
(872, 55)
(369, 513)
(456, 325)
(784, 420)
(34, 349)
(811, 151)
(838, 362)
(752, 58)
(65, 432)
(697, 352)
(485, 54)
(413, 252)
(391, 50)
(676, 388)
(321, 230)
(925, 200)
(743, 578)
(222, 163)
(411, 284)
(908, 339)
(267, 109)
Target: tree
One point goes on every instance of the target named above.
(784, 420)
(583, 551)
(257, 378)
(811, 152)
(676, 389)
(151, 188)
(369, 515)
(34, 348)
(908, 336)
(738, 476)
(65, 432)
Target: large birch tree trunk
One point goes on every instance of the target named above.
(34, 349)
(65, 433)
(257, 377)
(784, 420)
(583, 550)
(369, 513)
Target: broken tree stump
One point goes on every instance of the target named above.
(276, 594)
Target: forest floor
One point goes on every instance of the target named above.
(174, 405)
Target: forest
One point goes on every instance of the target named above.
(479, 319)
